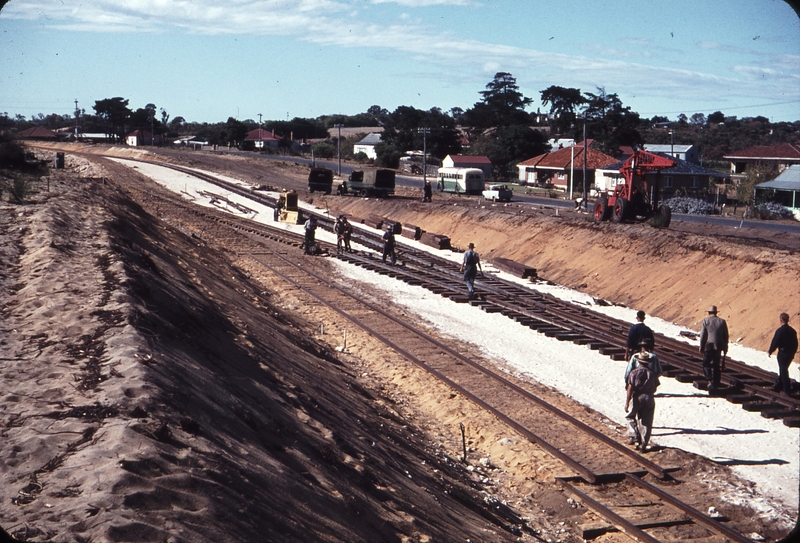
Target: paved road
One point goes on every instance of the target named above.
(416, 182)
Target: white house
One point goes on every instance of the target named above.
(469, 161)
(688, 153)
(367, 145)
(142, 137)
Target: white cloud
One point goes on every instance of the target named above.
(427, 3)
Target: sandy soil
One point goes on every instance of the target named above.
(136, 376)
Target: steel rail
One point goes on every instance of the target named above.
(584, 472)
(696, 515)
(624, 525)
(554, 312)
(649, 466)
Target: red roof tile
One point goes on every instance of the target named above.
(470, 159)
(561, 159)
(782, 151)
(38, 132)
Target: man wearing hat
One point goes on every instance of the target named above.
(641, 388)
(714, 347)
(388, 245)
(638, 332)
(470, 266)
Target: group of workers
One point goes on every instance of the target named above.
(644, 367)
(643, 370)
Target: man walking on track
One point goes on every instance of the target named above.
(641, 388)
(388, 245)
(470, 266)
(714, 346)
(785, 342)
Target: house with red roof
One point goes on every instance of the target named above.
(563, 168)
(782, 155)
(263, 139)
(38, 133)
(469, 161)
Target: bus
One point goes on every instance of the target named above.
(460, 180)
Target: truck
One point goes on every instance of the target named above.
(320, 179)
(498, 193)
(635, 198)
(377, 182)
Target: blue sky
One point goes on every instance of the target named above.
(207, 60)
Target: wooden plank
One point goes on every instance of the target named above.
(410, 231)
(435, 240)
(515, 268)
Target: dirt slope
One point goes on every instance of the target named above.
(672, 274)
(149, 393)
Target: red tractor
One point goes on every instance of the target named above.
(634, 198)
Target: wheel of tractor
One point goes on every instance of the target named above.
(620, 209)
(601, 209)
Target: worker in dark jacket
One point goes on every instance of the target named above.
(785, 342)
(427, 192)
(641, 388)
(638, 332)
(388, 245)
(714, 346)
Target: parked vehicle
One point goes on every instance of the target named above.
(320, 179)
(498, 193)
(373, 182)
(460, 180)
(634, 199)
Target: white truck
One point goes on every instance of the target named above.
(498, 193)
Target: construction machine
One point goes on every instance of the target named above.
(287, 209)
(636, 198)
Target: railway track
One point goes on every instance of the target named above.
(748, 386)
(604, 469)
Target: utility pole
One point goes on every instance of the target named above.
(260, 137)
(339, 146)
(424, 132)
(585, 152)
(672, 143)
(77, 112)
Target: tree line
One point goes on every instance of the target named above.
(497, 126)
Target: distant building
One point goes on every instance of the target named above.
(367, 145)
(784, 189)
(263, 139)
(783, 156)
(469, 161)
(143, 137)
(38, 133)
(563, 168)
(689, 153)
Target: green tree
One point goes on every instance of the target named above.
(115, 114)
(611, 124)
(509, 145)
(563, 103)
(716, 118)
(402, 132)
(502, 104)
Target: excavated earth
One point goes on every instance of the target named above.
(156, 389)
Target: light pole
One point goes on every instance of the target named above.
(339, 146)
(424, 132)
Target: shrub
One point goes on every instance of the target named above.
(771, 211)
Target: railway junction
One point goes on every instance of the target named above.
(523, 345)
